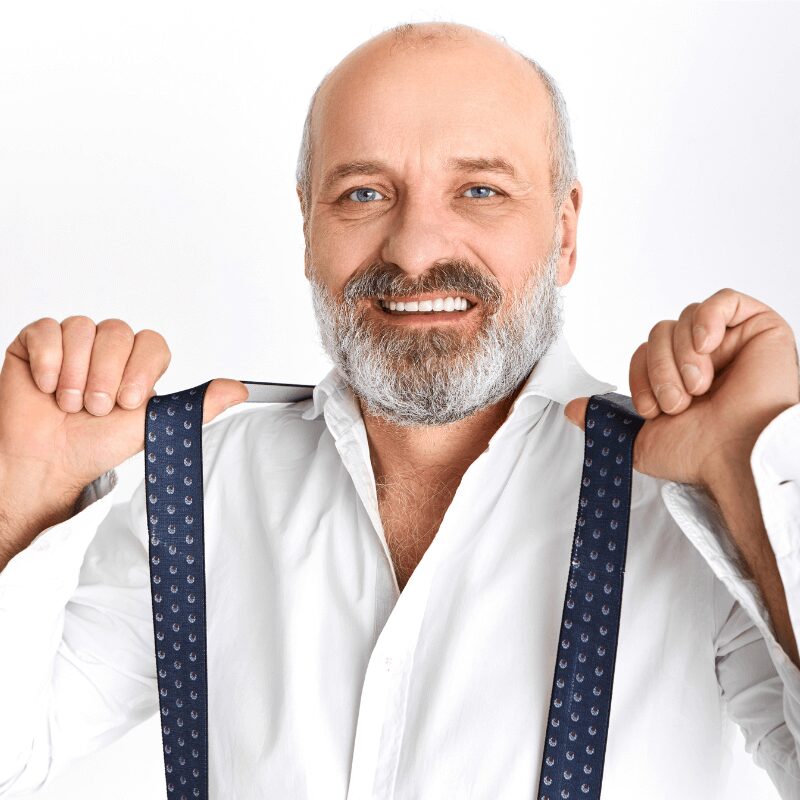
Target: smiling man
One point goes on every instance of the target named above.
(438, 228)
(386, 560)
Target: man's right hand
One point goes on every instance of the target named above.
(73, 396)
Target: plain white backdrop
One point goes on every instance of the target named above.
(147, 152)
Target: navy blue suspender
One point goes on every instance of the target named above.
(575, 739)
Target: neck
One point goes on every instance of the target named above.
(438, 451)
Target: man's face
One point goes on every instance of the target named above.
(424, 224)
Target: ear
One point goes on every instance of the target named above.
(303, 211)
(568, 220)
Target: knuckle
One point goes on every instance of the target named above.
(661, 368)
(660, 327)
(640, 350)
(42, 323)
(149, 333)
(117, 328)
(158, 340)
(45, 356)
(79, 325)
(33, 329)
(689, 310)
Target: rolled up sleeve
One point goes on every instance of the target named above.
(76, 634)
(759, 683)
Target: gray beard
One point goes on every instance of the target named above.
(413, 377)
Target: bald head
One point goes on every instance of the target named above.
(534, 87)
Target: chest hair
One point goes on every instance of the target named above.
(411, 510)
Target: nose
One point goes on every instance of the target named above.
(418, 237)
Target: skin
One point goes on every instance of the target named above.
(65, 419)
(707, 383)
(414, 109)
(703, 431)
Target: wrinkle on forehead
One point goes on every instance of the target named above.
(465, 69)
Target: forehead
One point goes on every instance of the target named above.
(422, 107)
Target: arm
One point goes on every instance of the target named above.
(755, 604)
(78, 669)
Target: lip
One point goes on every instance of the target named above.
(433, 295)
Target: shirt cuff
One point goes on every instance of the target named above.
(775, 463)
(55, 556)
(98, 488)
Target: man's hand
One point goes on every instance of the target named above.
(56, 433)
(707, 384)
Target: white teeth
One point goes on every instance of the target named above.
(438, 304)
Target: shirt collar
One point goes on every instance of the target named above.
(557, 376)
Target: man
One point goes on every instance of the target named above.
(386, 561)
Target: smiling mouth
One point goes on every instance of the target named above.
(437, 307)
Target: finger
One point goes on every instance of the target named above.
(222, 393)
(643, 398)
(77, 338)
(113, 343)
(662, 371)
(723, 309)
(696, 369)
(42, 349)
(147, 362)
(575, 411)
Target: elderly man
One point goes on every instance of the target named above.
(386, 560)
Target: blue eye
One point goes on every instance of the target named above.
(481, 187)
(362, 189)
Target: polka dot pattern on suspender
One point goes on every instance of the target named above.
(580, 701)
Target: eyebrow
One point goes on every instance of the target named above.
(460, 164)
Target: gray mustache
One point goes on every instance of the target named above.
(453, 276)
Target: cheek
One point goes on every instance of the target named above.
(509, 259)
(336, 255)
(512, 249)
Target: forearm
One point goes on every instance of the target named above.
(29, 503)
(736, 497)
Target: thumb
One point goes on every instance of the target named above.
(221, 394)
(575, 411)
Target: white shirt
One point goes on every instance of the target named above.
(326, 682)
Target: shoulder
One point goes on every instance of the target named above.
(265, 430)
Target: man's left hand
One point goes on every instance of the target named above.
(707, 384)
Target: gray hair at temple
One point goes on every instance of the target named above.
(563, 170)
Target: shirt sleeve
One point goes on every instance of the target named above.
(76, 633)
(759, 683)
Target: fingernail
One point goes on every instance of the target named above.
(48, 382)
(100, 402)
(700, 335)
(130, 396)
(70, 399)
(691, 377)
(645, 402)
(669, 396)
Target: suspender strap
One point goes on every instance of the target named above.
(174, 484)
(174, 472)
(572, 762)
(580, 700)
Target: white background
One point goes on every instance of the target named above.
(147, 152)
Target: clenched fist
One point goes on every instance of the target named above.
(72, 402)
